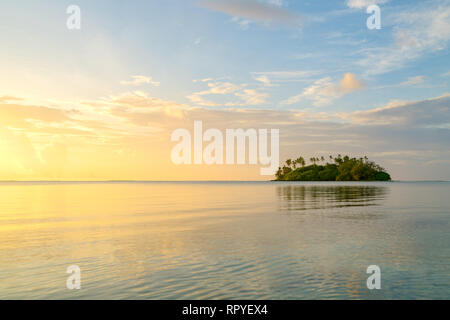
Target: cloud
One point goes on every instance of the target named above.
(45, 120)
(22, 116)
(252, 97)
(9, 98)
(246, 96)
(270, 77)
(140, 99)
(203, 80)
(243, 23)
(264, 79)
(215, 88)
(278, 3)
(324, 90)
(413, 81)
(349, 83)
(140, 80)
(417, 31)
(433, 112)
(253, 10)
(140, 102)
(402, 136)
(359, 4)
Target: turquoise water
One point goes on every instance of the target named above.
(235, 240)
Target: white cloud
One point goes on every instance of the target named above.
(253, 10)
(324, 90)
(413, 81)
(263, 79)
(417, 31)
(270, 77)
(140, 80)
(278, 3)
(246, 96)
(252, 97)
(359, 4)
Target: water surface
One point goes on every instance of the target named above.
(266, 240)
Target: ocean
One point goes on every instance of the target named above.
(224, 240)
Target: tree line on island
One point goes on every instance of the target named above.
(340, 169)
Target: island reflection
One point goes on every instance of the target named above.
(306, 197)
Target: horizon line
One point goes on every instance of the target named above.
(152, 181)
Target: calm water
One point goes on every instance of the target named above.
(224, 240)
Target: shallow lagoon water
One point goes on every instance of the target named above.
(225, 240)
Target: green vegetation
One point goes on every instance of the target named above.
(340, 169)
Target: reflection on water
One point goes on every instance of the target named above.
(224, 240)
(300, 197)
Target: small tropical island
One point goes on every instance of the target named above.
(340, 169)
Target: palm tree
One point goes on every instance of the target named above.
(289, 162)
(313, 160)
(300, 161)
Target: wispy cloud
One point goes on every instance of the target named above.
(271, 77)
(9, 98)
(251, 97)
(140, 80)
(431, 112)
(253, 10)
(264, 79)
(215, 88)
(412, 81)
(246, 96)
(324, 90)
(359, 4)
(417, 31)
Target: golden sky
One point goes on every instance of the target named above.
(101, 102)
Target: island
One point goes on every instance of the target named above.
(340, 169)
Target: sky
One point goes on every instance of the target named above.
(101, 102)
